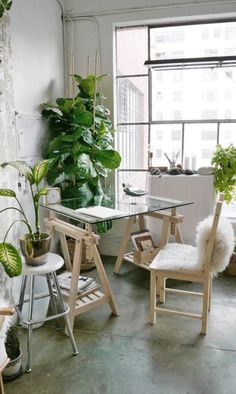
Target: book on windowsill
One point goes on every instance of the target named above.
(143, 241)
(84, 282)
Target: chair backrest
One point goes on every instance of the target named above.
(215, 241)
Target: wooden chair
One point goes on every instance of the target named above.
(4, 360)
(195, 264)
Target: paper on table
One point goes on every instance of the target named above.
(100, 212)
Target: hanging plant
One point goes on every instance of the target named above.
(5, 5)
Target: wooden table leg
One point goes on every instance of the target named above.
(74, 280)
(141, 221)
(104, 281)
(123, 245)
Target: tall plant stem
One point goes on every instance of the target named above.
(95, 90)
(37, 229)
(22, 210)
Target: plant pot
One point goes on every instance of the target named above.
(13, 369)
(87, 260)
(231, 269)
(35, 251)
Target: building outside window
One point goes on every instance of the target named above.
(186, 110)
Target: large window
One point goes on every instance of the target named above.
(174, 111)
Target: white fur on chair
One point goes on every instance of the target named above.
(183, 257)
(177, 257)
(223, 245)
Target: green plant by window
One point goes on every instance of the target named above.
(5, 5)
(81, 142)
(224, 162)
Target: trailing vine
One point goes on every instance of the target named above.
(5, 5)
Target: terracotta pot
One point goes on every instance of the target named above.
(35, 251)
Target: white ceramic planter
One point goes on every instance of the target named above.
(13, 369)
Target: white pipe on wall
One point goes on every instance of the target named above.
(149, 8)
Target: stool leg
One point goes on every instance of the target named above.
(52, 298)
(30, 317)
(67, 322)
(22, 292)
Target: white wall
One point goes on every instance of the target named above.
(37, 53)
(31, 72)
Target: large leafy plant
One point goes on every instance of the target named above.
(224, 162)
(9, 255)
(80, 142)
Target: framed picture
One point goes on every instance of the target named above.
(143, 241)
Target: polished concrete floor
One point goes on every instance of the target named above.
(126, 355)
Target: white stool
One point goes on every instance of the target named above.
(49, 270)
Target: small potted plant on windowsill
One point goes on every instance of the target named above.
(224, 162)
(13, 350)
(35, 244)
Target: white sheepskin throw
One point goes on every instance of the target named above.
(175, 256)
(223, 245)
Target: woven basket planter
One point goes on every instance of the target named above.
(231, 269)
(87, 260)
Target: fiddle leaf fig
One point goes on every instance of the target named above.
(109, 158)
(81, 142)
(85, 168)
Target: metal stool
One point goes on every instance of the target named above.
(49, 270)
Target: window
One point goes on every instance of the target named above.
(169, 111)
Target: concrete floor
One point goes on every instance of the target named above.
(126, 355)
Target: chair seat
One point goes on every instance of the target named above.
(176, 257)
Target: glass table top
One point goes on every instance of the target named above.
(122, 204)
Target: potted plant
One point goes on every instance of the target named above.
(13, 350)
(80, 143)
(224, 162)
(35, 244)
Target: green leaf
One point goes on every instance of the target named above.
(101, 170)
(71, 169)
(65, 104)
(84, 119)
(78, 78)
(41, 192)
(10, 259)
(48, 109)
(53, 175)
(109, 158)
(7, 193)
(40, 171)
(87, 86)
(88, 137)
(85, 167)
(82, 194)
(22, 167)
